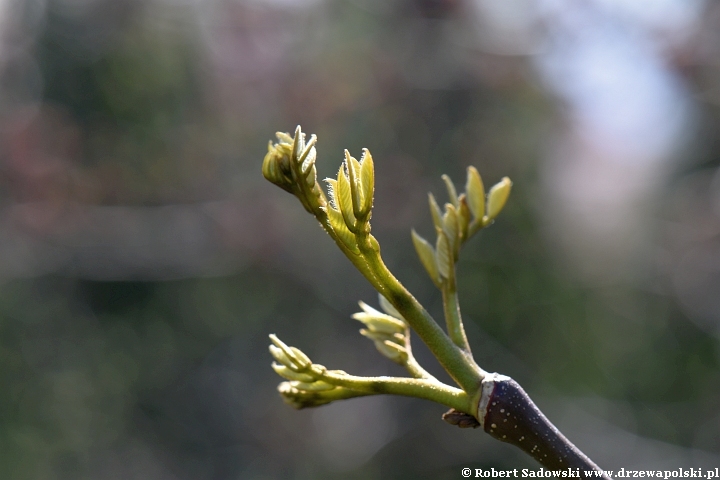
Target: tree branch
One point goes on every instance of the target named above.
(508, 414)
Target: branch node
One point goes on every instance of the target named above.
(461, 419)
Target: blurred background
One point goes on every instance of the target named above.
(144, 260)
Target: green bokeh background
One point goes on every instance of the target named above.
(145, 260)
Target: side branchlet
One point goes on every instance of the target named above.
(391, 335)
(290, 164)
(463, 216)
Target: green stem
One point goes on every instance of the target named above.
(412, 366)
(410, 387)
(453, 319)
(309, 398)
(459, 364)
(357, 260)
(307, 196)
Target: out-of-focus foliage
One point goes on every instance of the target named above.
(143, 258)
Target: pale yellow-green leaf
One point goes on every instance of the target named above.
(393, 351)
(332, 189)
(276, 167)
(302, 359)
(378, 321)
(475, 193)
(389, 309)
(279, 343)
(396, 341)
(337, 222)
(388, 348)
(464, 216)
(284, 137)
(343, 196)
(355, 165)
(353, 170)
(380, 325)
(289, 374)
(444, 255)
(427, 256)
(308, 149)
(291, 357)
(367, 180)
(375, 336)
(309, 160)
(271, 165)
(452, 193)
(318, 386)
(298, 143)
(279, 355)
(435, 211)
(450, 226)
(497, 197)
(311, 176)
(373, 311)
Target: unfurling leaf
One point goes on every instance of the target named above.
(308, 156)
(291, 357)
(451, 227)
(435, 211)
(332, 193)
(284, 137)
(389, 309)
(343, 196)
(427, 256)
(318, 386)
(353, 170)
(398, 338)
(298, 398)
(475, 193)
(337, 222)
(391, 348)
(290, 164)
(464, 217)
(298, 142)
(276, 166)
(367, 181)
(452, 193)
(289, 374)
(312, 177)
(279, 355)
(302, 359)
(396, 353)
(497, 197)
(444, 255)
(377, 321)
